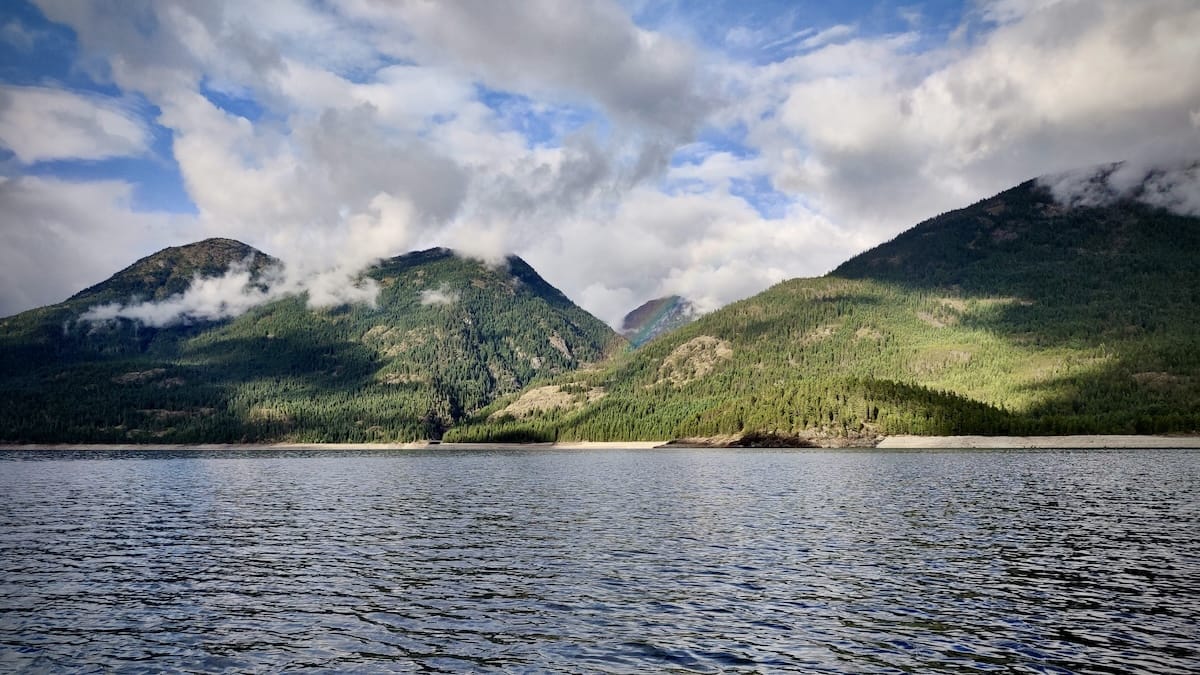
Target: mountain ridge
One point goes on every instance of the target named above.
(1015, 315)
(171, 270)
(447, 334)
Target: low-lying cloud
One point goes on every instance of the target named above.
(442, 295)
(1174, 187)
(206, 299)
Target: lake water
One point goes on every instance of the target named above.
(580, 561)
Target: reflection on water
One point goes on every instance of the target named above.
(705, 561)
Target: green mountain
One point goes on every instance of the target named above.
(1015, 315)
(656, 317)
(447, 336)
(171, 271)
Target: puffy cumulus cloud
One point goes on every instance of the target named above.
(878, 135)
(588, 51)
(712, 248)
(45, 123)
(566, 133)
(49, 243)
(357, 158)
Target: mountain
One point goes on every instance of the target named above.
(655, 317)
(171, 271)
(1016, 315)
(53, 334)
(445, 337)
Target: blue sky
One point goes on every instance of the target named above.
(627, 149)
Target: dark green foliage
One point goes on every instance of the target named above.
(1013, 316)
(401, 370)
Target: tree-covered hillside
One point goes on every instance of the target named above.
(1013, 316)
(447, 335)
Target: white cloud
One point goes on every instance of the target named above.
(553, 49)
(827, 36)
(43, 123)
(1171, 186)
(878, 136)
(717, 168)
(712, 248)
(375, 137)
(442, 295)
(348, 169)
(59, 237)
(206, 299)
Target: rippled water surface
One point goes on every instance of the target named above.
(579, 561)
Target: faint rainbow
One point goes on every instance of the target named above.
(642, 332)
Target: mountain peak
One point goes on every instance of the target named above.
(655, 317)
(1025, 239)
(171, 270)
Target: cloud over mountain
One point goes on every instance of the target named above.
(627, 151)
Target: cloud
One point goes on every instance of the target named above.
(352, 165)
(206, 299)
(712, 248)
(442, 295)
(568, 134)
(827, 36)
(43, 123)
(587, 51)
(1174, 187)
(878, 135)
(18, 35)
(58, 237)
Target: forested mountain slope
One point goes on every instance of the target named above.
(447, 335)
(1015, 315)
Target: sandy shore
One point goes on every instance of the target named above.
(419, 445)
(888, 443)
(1094, 442)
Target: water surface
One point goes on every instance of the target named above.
(517, 560)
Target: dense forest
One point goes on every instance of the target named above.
(1013, 316)
(447, 335)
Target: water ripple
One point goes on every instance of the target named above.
(681, 561)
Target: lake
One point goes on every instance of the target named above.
(580, 561)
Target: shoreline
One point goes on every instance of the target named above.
(900, 442)
(1097, 442)
(415, 445)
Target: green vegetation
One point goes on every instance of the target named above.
(402, 370)
(1013, 316)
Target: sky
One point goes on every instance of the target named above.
(627, 150)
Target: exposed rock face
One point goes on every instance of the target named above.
(693, 360)
(545, 399)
